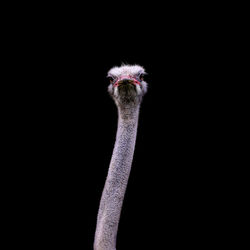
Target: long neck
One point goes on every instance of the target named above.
(116, 182)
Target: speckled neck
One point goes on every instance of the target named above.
(128, 112)
(117, 179)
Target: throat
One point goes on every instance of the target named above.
(127, 95)
(129, 111)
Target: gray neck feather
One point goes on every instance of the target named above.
(117, 179)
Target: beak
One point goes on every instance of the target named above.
(126, 80)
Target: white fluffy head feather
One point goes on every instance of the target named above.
(126, 70)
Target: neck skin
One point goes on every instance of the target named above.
(117, 179)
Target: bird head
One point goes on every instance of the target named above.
(127, 85)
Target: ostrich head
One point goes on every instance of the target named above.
(126, 84)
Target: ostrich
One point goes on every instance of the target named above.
(127, 88)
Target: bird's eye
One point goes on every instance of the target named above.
(110, 78)
(141, 76)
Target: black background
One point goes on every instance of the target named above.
(67, 126)
(174, 172)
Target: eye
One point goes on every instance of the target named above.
(111, 79)
(141, 76)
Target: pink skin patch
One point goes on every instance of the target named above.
(128, 78)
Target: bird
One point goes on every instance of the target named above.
(127, 88)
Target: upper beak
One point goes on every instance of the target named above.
(125, 81)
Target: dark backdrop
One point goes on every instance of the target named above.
(174, 172)
(68, 124)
